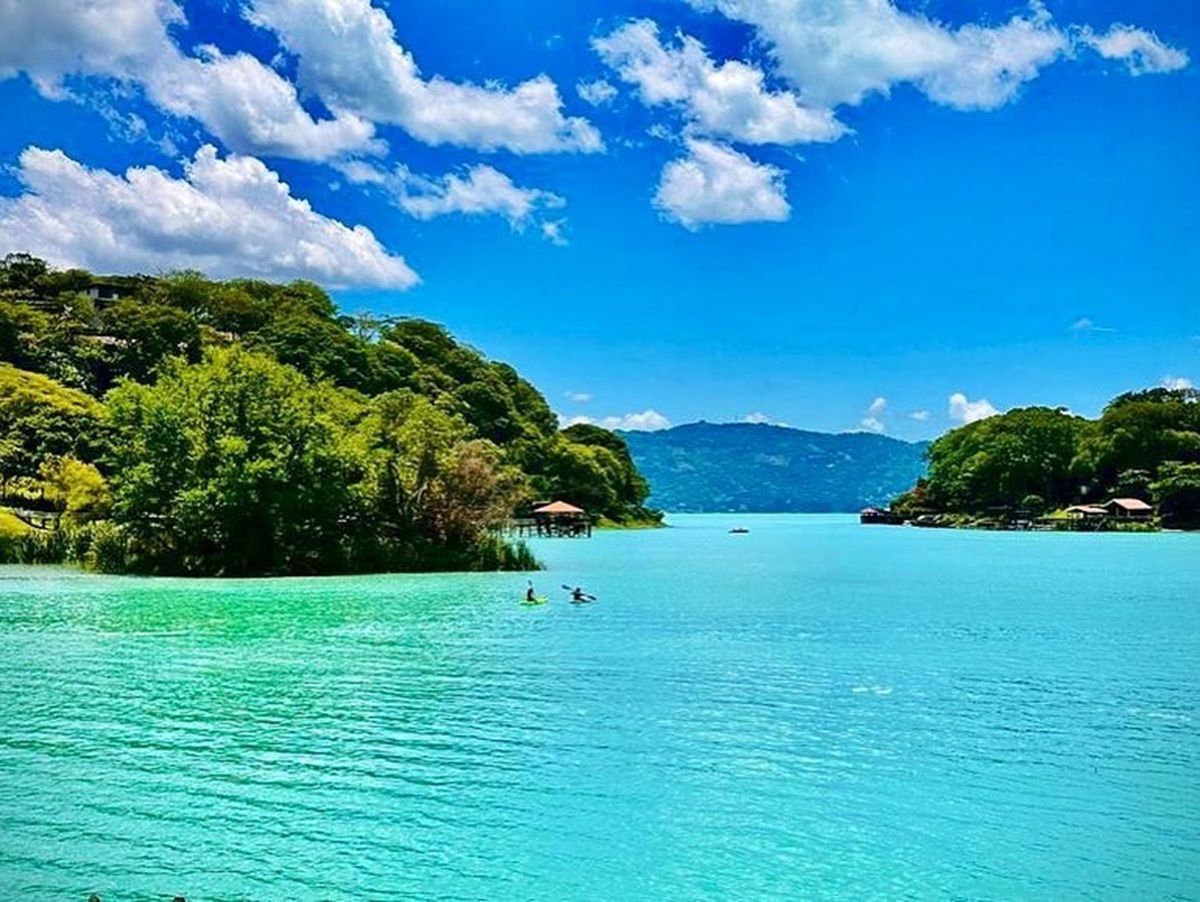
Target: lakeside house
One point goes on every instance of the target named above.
(878, 515)
(553, 519)
(1083, 517)
(559, 518)
(1085, 512)
(1129, 509)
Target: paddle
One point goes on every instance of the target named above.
(571, 589)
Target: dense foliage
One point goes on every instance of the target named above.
(1145, 445)
(194, 426)
(753, 467)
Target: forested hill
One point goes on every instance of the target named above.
(1033, 461)
(177, 424)
(758, 467)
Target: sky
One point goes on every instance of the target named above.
(882, 215)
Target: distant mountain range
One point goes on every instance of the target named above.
(757, 467)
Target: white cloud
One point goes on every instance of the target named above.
(227, 217)
(716, 184)
(873, 420)
(964, 411)
(1085, 325)
(758, 417)
(1176, 383)
(349, 57)
(1142, 51)
(647, 421)
(553, 231)
(249, 106)
(578, 397)
(728, 101)
(597, 93)
(871, 424)
(840, 51)
(920, 416)
(478, 190)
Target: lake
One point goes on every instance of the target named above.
(813, 709)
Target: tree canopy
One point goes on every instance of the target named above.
(249, 427)
(1145, 444)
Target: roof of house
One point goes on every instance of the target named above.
(558, 507)
(1130, 504)
(1086, 509)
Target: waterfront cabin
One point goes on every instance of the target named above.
(877, 515)
(1086, 512)
(1129, 509)
(560, 519)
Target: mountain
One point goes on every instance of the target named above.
(758, 467)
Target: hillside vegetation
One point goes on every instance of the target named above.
(755, 467)
(247, 427)
(1145, 445)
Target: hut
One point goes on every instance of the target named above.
(1129, 509)
(1086, 512)
(558, 518)
(876, 515)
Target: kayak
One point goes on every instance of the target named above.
(541, 599)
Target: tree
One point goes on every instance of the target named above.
(999, 461)
(148, 333)
(232, 466)
(39, 419)
(76, 488)
(1177, 495)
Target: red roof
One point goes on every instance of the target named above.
(559, 507)
(1131, 504)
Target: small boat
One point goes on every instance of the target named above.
(739, 531)
(541, 599)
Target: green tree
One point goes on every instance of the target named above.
(76, 488)
(1001, 460)
(1177, 495)
(232, 466)
(145, 334)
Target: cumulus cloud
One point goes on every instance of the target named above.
(920, 416)
(727, 101)
(872, 421)
(962, 410)
(577, 397)
(1141, 51)
(716, 184)
(348, 55)
(647, 421)
(760, 418)
(840, 51)
(597, 93)
(1084, 325)
(227, 217)
(249, 106)
(1176, 383)
(553, 230)
(477, 191)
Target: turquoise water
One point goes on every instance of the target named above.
(813, 709)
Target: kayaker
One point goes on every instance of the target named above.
(577, 594)
(529, 594)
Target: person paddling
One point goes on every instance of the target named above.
(529, 593)
(578, 595)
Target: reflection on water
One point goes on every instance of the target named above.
(814, 708)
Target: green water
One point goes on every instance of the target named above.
(813, 709)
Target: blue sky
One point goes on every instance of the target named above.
(838, 214)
